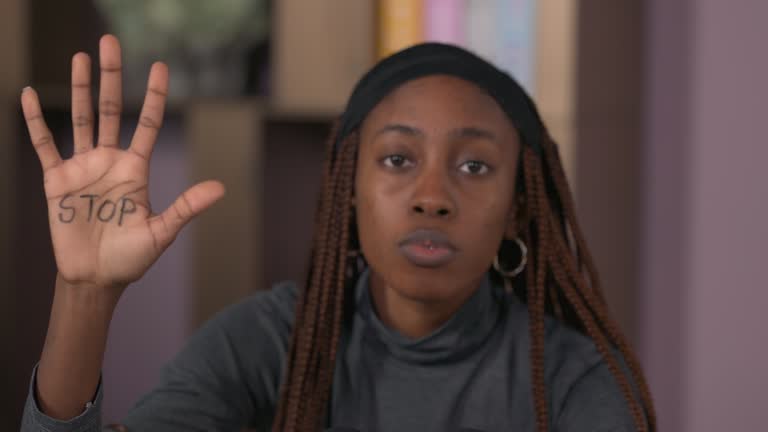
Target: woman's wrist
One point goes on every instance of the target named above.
(100, 299)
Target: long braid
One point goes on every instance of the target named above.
(317, 299)
(557, 173)
(334, 288)
(288, 408)
(536, 294)
(598, 337)
(304, 392)
(556, 258)
(567, 281)
(594, 297)
(320, 353)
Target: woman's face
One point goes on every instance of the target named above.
(434, 187)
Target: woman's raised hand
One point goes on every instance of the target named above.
(103, 229)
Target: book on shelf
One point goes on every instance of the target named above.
(500, 31)
(400, 25)
(444, 21)
(515, 50)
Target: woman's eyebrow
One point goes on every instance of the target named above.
(401, 128)
(473, 132)
(464, 132)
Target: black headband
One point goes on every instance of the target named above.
(435, 58)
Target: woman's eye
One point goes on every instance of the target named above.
(474, 167)
(396, 161)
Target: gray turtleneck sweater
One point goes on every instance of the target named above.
(473, 373)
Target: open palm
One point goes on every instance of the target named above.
(102, 226)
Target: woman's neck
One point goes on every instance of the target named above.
(410, 317)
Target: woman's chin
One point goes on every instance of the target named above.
(428, 287)
(426, 292)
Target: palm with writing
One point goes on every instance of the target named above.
(103, 231)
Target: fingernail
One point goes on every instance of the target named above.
(26, 88)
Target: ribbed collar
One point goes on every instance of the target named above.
(458, 337)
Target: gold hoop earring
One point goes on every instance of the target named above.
(520, 267)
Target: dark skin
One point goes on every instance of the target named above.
(437, 153)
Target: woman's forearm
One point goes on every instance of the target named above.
(70, 366)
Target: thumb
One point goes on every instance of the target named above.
(189, 204)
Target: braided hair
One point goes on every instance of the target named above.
(560, 279)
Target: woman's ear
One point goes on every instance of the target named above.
(515, 218)
(510, 231)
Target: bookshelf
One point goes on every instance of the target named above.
(319, 51)
(225, 142)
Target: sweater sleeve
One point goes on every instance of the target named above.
(34, 420)
(225, 378)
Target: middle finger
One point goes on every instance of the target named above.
(110, 92)
(82, 109)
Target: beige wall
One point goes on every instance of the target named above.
(322, 46)
(589, 92)
(609, 95)
(225, 142)
(555, 67)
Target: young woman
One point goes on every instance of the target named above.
(449, 287)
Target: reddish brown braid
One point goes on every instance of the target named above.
(306, 387)
(591, 295)
(563, 260)
(561, 277)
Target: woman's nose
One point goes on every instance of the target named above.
(432, 196)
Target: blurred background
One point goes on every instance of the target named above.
(659, 108)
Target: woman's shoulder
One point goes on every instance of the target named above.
(230, 368)
(278, 301)
(246, 341)
(577, 376)
(562, 342)
(269, 310)
(569, 354)
(256, 329)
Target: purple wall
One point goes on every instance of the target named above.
(664, 281)
(728, 355)
(151, 322)
(704, 291)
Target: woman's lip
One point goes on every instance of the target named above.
(427, 248)
(428, 237)
(423, 255)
